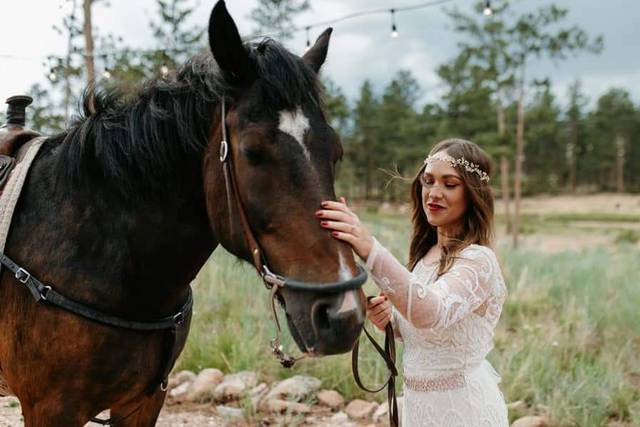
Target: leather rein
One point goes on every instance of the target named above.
(275, 283)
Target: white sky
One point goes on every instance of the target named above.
(360, 48)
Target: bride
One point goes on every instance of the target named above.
(446, 305)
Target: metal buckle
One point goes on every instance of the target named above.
(178, 318)
(224, 150)
(23, 275)
(44, 292)
(272, 278)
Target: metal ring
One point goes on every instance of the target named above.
(224, 150)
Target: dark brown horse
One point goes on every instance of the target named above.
(121, 211)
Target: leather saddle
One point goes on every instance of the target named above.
(11, 139)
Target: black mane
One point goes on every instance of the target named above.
(133, 144)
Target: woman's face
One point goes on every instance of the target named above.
(444, 199)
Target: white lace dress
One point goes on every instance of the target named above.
(447, 326)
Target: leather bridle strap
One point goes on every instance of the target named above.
(389, 356)
(272, 281)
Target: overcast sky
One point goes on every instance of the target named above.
(361, 48)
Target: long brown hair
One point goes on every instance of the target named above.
(478, 218)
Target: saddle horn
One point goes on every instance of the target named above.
(16, 111)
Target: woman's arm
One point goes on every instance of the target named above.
(454, 295)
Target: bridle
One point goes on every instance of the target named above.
(274, 282)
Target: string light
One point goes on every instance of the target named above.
(308, 41)
(106, 74)
(487, 8)
(52, 75)
(394, 29)
(164, 70)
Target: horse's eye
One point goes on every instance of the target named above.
(255, 156)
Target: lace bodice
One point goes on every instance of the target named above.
(447, 323)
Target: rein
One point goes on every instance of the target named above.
(275, 283)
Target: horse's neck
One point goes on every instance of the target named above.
(101, 249)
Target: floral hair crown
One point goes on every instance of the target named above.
(461, 162)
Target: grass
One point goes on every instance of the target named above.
(567, 342)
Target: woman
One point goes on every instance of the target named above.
(446, 305)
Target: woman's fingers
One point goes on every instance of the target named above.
(326, 214)
(339, 226)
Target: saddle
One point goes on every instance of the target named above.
(11, 140)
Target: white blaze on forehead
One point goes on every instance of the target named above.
(345, 272)
(295, 123)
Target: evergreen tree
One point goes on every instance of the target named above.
(276, 16)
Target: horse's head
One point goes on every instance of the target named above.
(283, 154)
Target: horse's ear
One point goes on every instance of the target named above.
(317, 53)
(227, 48)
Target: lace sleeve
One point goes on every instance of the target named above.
(450, 298)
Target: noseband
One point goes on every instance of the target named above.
(272, 281)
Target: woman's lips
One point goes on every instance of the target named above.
(434, 208)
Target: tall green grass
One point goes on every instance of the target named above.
(568, 339)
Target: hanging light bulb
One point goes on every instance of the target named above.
(487, 8)
(394, 29)
(106, 74)
(308, 41)
(164, 70)
(52, 75)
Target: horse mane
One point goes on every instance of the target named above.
(133, 143)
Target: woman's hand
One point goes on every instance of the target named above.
(379, 311)
(346, 226)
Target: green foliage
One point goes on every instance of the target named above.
(276, 16)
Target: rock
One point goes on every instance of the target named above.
(230, 413)
(338, 419)
(381, 412)
(180, 392)
(202, 387)
(330, 398)
(280, 406)
(180, 378)
(234, 386)
(256, 394)
(296, 388)
(360, 409)
(530, 421)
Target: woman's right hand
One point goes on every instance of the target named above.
(379, 311)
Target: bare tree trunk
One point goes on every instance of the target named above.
(572, 154)
(504, 171)
(88, 42)
(517, 190)
(67, 77)
(620, 154)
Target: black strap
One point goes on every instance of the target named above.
(389, 356)
(46, 294)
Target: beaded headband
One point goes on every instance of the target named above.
(461, 162)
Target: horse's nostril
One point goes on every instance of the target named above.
(321, 316)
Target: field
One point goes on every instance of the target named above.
(568, 342)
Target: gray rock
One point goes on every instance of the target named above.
(202, 387)
(530, 421)
(284, 406)
(180, 378)
(330, 398)
(229, 412)
(234, 386)
(359, 409)
(296, 388)
(381, 412)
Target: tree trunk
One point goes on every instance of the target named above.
(88, 42)
(504, 171)
(517, 189)
(572, 155)
(620, 153)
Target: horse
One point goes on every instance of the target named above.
(120, 211)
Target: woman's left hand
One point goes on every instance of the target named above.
(346, 226)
